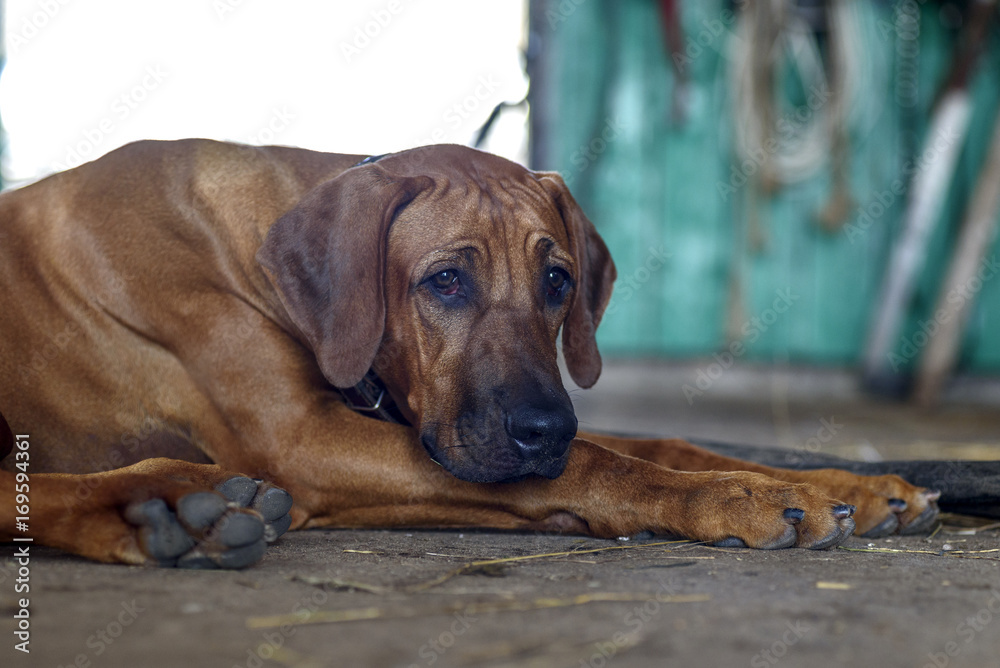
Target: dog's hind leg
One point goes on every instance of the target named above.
(161, 512)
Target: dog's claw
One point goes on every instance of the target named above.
(886, 527)
(837, 537)
(789, 537)
(923, 521)
(843, 511)
(794, 515)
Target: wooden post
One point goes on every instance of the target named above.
(926, 195)
(958, 292)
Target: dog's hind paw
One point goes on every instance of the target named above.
(227, 528)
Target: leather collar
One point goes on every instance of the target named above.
(371, 398)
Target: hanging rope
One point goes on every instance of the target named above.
(789, 144)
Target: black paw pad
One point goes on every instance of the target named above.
(240, 490)
(205, 530)
(242, 557)
(201, 510)
(239, 557)
(161, 536)
(274, 530)
(273, 503)
(239, 529)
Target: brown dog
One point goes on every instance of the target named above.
(177, 316)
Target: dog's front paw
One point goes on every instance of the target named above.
(886, 504)
(226, 528)
(740, 509)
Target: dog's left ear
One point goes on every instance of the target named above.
(326, 258)
(595, 280)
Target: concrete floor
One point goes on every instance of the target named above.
(417, 598)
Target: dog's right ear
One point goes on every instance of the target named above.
(595, 281)
(326, 258)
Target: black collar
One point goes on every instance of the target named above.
(369, 159)
(369, 397)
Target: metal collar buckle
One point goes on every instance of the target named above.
(370, 397)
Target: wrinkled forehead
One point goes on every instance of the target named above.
(504, 214)
(476, 184)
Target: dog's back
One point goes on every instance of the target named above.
(85, 347)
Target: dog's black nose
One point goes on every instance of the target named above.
(541, 432)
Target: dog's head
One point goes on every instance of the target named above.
(450, 272)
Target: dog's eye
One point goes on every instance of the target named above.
(556, 282)
(446, 282)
